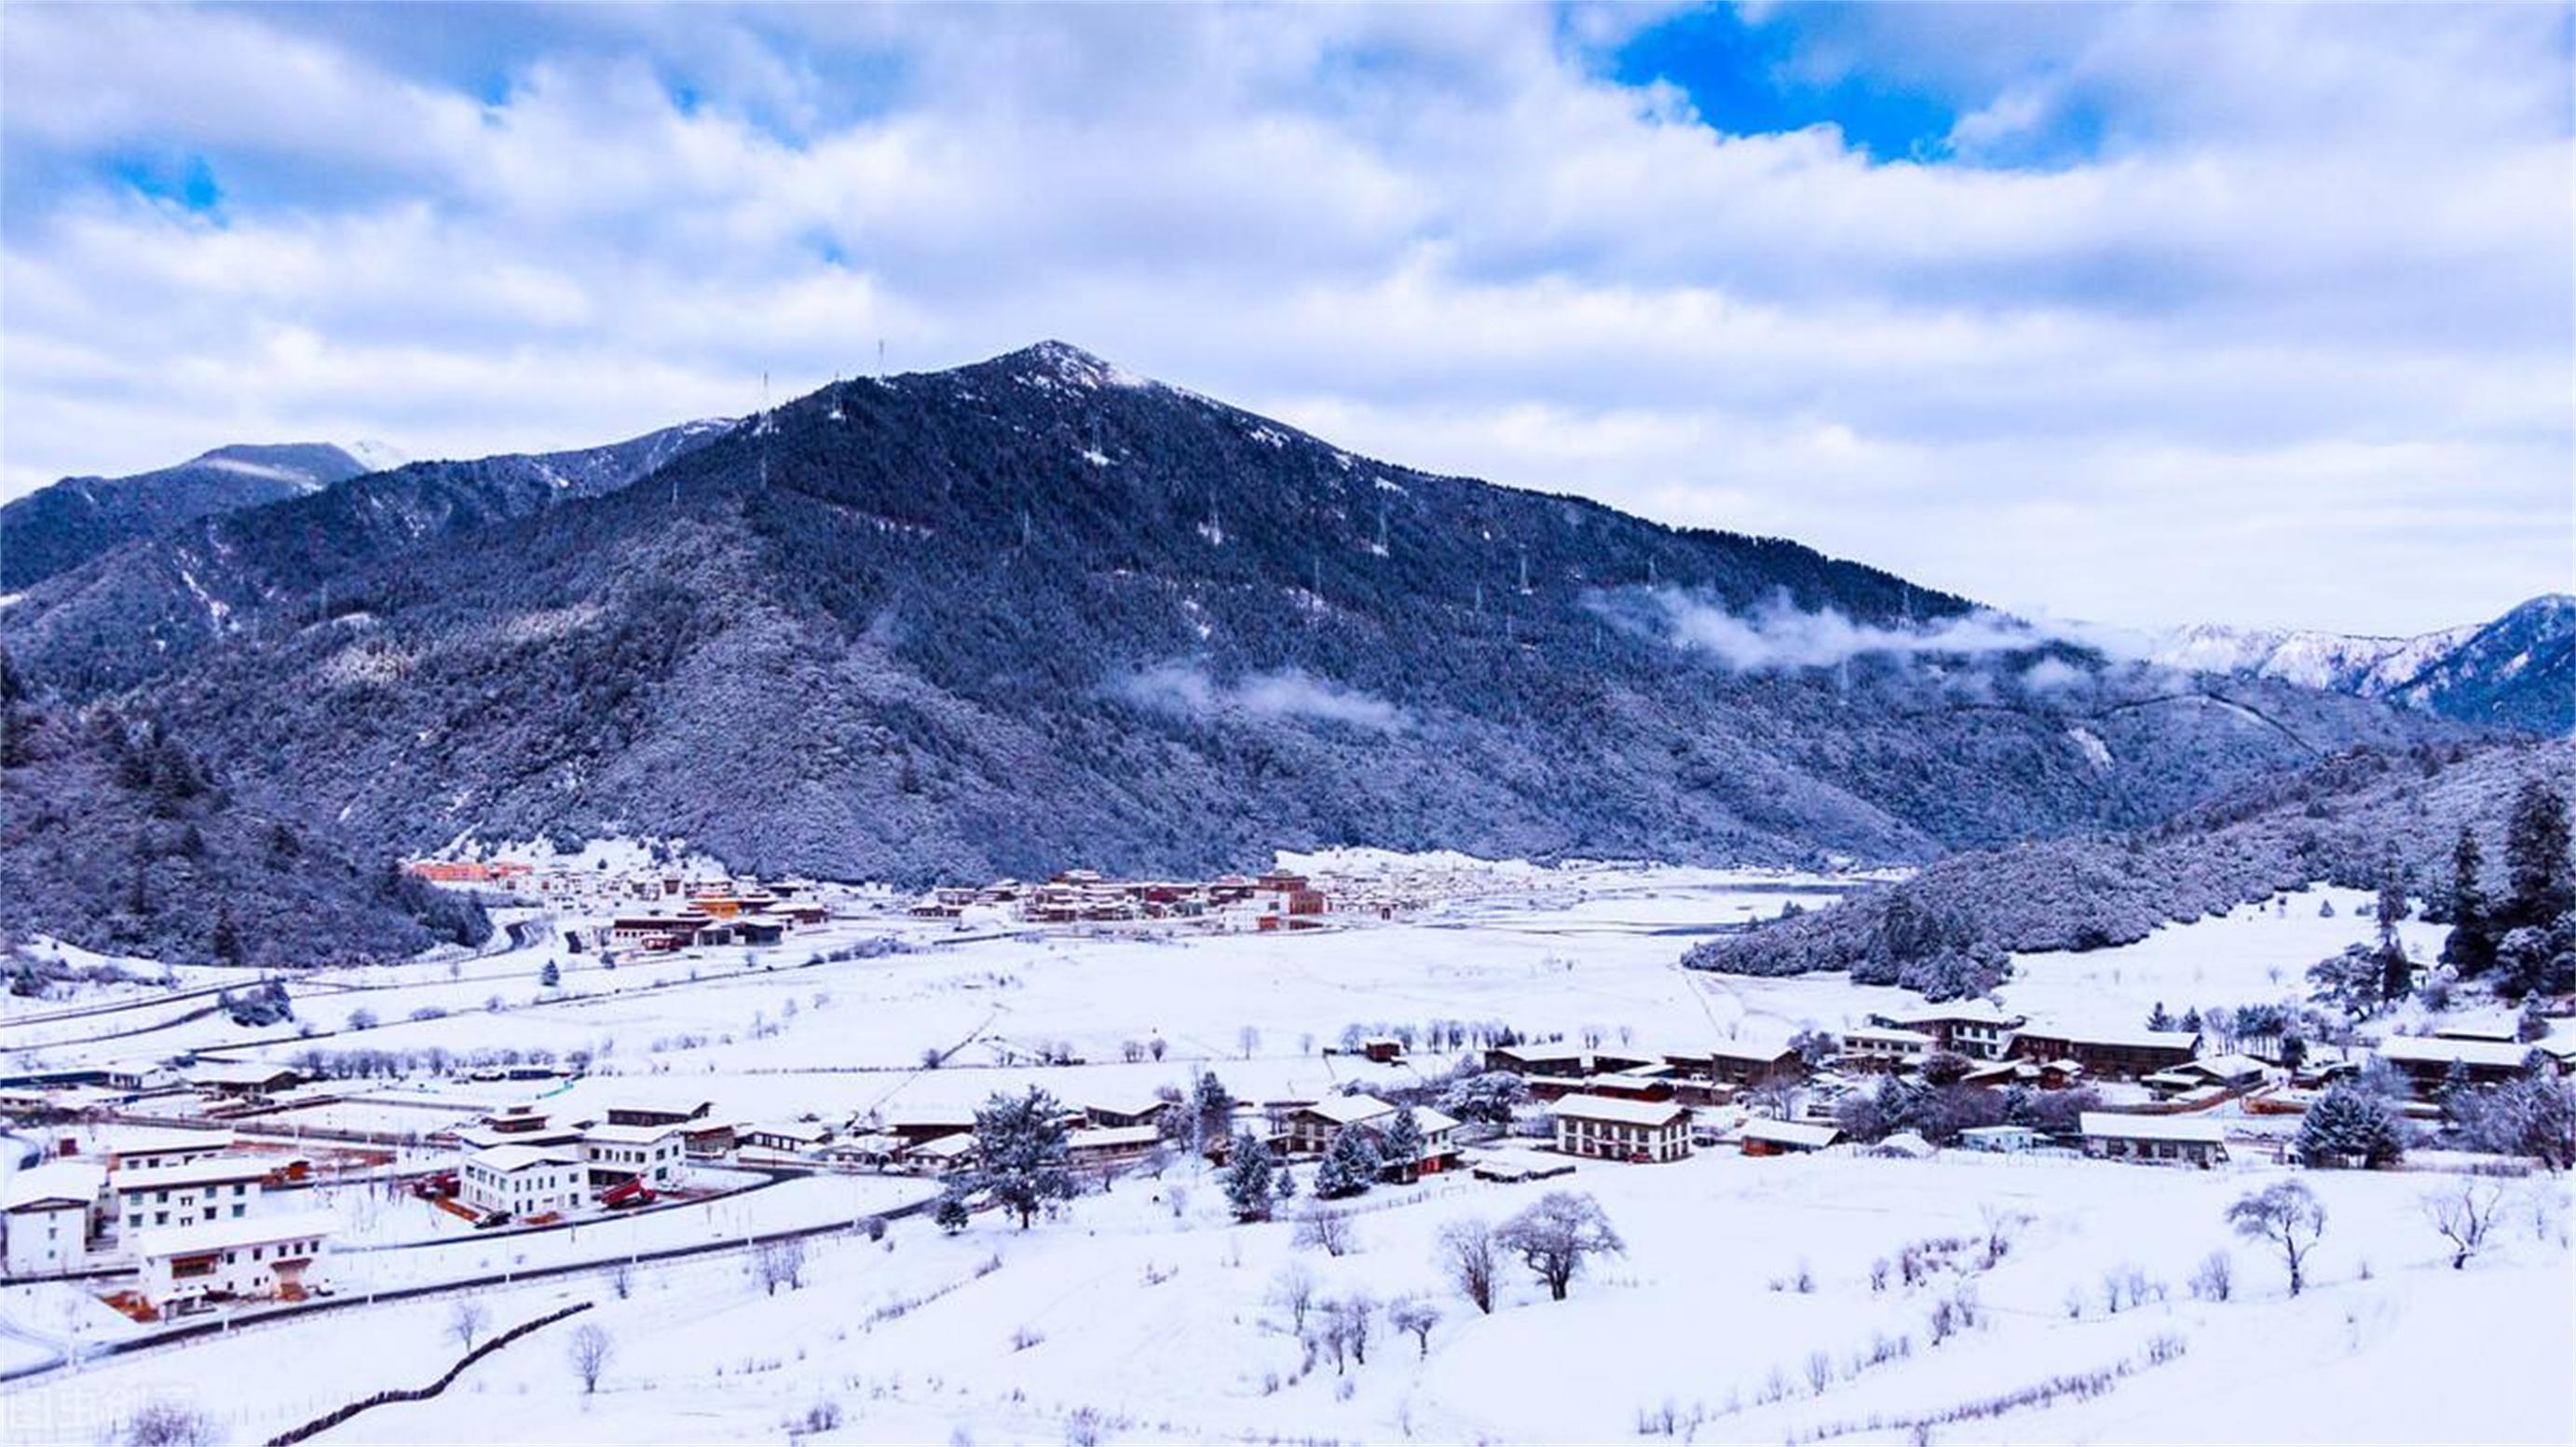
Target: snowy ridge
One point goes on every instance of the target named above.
(2511, 671)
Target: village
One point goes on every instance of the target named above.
(829, 1060)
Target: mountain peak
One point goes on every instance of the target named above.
(1063, 362)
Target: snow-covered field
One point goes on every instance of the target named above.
(1147, 1315)
(1147, 1310)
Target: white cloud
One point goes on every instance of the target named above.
(2290, 348)
(1778, 635)
(1185, 689)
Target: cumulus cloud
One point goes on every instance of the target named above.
(1288, 693)
(2222, 310)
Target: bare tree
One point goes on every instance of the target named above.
(590, 1350)
(1248, 1039)
(2464, 1214)
(779, 1263)
(1472, 1259)
(1329, 1229)
(465, 1322)
(1415, 1316)
(1353, 1317)
(2215, 1280)
(168, 1423)
(1294, 1289)
(1555, 1236)
(621, 1279)
(2287, 1215)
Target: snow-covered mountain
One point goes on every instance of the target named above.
(985, 621)
(58, 528)
(2514, 670)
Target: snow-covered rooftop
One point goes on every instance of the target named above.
(2153, 1127)
(208, 1170)
(232, 1232)
(1622, 1112)
(54, 1181)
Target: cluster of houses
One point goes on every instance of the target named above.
(183, 1208)
(521, 1164)
(1644, 1105)
(1277, 900)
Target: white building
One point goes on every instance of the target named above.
(189, 1267)
(1881, 1047)
(47, 1217)
(150, 1148)
(187, 1193)
(524, 1181)
(2177, 1139)
(1609, 1127)
(619, 1153)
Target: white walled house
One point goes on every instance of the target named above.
(524, 1181)
(148, 1149)
(185, 1268)
(1614, 1128)
(48, 1217)
(618, 1153)
(188, 1193)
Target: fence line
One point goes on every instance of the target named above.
(333, 1419)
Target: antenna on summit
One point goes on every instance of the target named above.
(880, 359)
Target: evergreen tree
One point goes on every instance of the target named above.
(551, 975)
(2159, 1018)
(2470, 948)
(2349, 981)
(2522, 962)
(2535, 858)
(1349, 1166)
(2348, 1126)
(1251, 1178)
(1404, 1144)
(1211, 1110)
(951, 1215)
(1021, 1156)
(226, 943)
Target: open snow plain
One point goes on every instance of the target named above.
(1756, 1300)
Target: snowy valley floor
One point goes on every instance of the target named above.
(1145, 1315)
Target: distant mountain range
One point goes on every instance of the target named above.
(1039, 612)
(140, 610)
(58, 528)
(2518, 671)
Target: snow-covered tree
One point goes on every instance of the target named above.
(1488, 1097)
(1250, 1178)
(1350, 1165)
(1404, 1143)
(2287, 1215)
(551, 975)
(2538, 884)
(951, 1214)
(2350, 981)
(2470, 948)
(2464, 1212)
(1471, 1257)
(2348, 1126)
(1021, 1155)
(1555, 1236)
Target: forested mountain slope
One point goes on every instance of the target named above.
(1038, 612)
(55, 529)
(118, 837)
(138, 610)
(2340, 821)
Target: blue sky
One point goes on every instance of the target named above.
(2133, 314)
